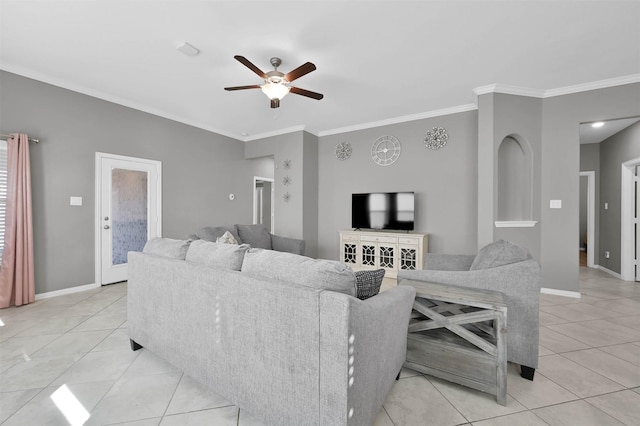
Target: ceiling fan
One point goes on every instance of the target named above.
(276, 84)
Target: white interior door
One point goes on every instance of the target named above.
(128, 211)
(636, 221)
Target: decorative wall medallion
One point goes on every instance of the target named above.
(286, 164)
(436, 138)
(286, 197)
(385, 150)
(343, 151)
(286, 180)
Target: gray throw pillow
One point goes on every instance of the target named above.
(212, 233)
(166, 247)
(300, 270)
(217, 255)
(257, 236)
(368, 283)
(498, 253)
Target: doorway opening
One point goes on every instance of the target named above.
(587, 218)
(263, 202)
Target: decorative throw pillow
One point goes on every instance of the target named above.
(257, 236)
(498, 253)
(167, 247)
(227, 238)
(301, 270)
(223, 256)
(368, 283)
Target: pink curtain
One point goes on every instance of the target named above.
(17, 283)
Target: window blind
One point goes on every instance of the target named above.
(3, 191)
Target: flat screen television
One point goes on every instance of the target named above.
(383, 210)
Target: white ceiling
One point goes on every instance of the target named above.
(590, 134)
(376, 60)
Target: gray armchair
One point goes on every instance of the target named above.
(499, 266)
(256, 236)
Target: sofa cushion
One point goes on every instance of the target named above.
(227, 238)
(301, 270)
(368, 283)
(257, 236)
(498, 253)
(166, 247)
(217, 255)
(212, 233)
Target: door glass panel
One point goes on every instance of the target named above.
(128, 213)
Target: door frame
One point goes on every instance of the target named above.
(98, 203)
(255, 201)
(591, 217)
(626, 220)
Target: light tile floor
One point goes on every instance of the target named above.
(77, 345)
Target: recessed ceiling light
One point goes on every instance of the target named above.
(597, 124)
(187, 49)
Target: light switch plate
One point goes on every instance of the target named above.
(555, 204)
(75, 201)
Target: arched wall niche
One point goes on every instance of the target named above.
(515, 181)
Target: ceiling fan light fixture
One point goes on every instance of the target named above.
(275, 90)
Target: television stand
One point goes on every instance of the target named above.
(391, 251)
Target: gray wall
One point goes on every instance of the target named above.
(200, 169)
(296, 218)
(443, 181)
(590, 161)
(561, 117)
(614, 151)
(520, 118)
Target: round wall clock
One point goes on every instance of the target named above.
(343, 150)
(385, 150)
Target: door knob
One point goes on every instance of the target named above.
(106, 227)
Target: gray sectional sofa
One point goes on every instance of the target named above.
(257, 236)
(280, 335)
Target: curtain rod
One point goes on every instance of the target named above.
(30, 139)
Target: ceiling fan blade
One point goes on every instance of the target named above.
(244, 61)
(307, 93)
(255, 86)
(300, 71)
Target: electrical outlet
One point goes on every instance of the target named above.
(606, 254)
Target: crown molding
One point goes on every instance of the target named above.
(397, 120)
(594, 85)
(110, 98)
(508, 90)
(257, 136)
(549, 93)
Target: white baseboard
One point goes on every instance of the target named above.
(608, 271)
(64, 291)
(565, 293)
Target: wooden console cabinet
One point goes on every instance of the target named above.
(388, 250)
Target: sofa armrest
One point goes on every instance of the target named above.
(290, 245)
(369, 347)
(448, 262)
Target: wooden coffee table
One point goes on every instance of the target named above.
(459, 334)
